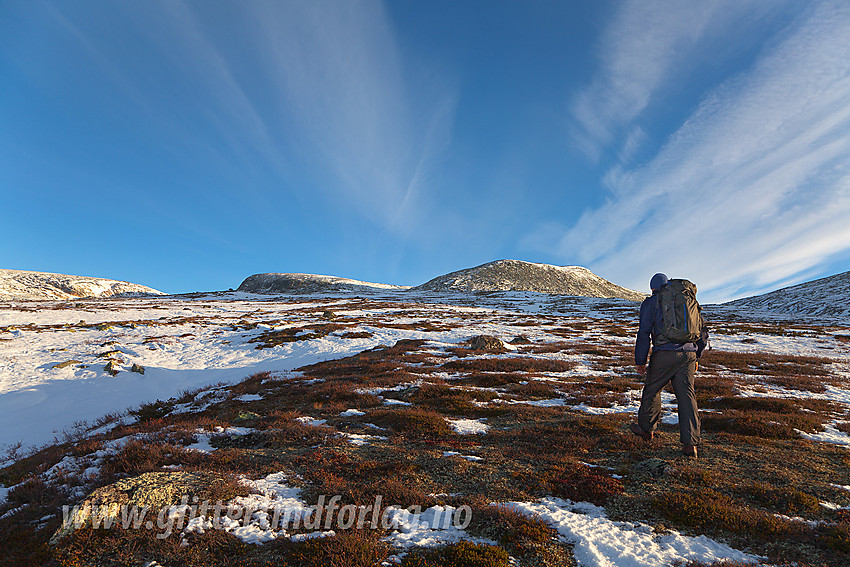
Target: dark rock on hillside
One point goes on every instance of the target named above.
(486, 342)
(516, 275)
(305, 283)
(828, 298)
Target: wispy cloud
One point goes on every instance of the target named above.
(647, 47)
(753, 188)
(339, 77)
(313, 92)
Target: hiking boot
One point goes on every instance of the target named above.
(637, 430)
(689, 451)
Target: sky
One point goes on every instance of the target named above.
(188, 145)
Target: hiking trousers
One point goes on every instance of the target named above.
(678, 368)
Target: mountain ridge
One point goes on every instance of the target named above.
(499, 275)
(823, 297)
(273, 282)
(518, 275)
(29, 285)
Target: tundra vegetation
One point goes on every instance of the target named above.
(553, 398)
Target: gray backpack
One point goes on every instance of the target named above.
(681, 317)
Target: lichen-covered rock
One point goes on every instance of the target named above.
(137, 368)
(247, 416)
(154, 491)
(486, 342)
(654, 467)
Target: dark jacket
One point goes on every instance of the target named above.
(650, 326)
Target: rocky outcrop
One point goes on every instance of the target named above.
(24, 285)
(306, 283)
(516, 275)
(827, 298)
(153, 491)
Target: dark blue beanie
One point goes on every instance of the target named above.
(658, 281)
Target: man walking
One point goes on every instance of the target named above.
(674, 357)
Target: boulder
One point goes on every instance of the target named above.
(654, 467)
(486, 342)
(153, 490)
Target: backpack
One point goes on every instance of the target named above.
(681, 317)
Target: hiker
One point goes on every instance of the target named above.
(677, 344)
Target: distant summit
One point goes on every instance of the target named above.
(24, 285)
(827, 297)
(306, 283)
(516, 275)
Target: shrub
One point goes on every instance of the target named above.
(693, 476)
(353, 548)
(413, 422)
(763, 424)
(583, 483)
(494, 380)
(462, 554)
(509, 364)
(836, 537)
(535, 389)
(356, 335)
(512, 529)
(709, 510)
(721, 563)
(445, 399)
(333, 391)
(252, 384)
(784, 499)
(88, 546)
(153, 410)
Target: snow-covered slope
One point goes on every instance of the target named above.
(24, 285)
(516, 275)
(827, 297)
(305, 283)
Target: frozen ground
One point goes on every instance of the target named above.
(53, 375)
(54, 353)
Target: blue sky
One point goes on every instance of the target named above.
(187, 145)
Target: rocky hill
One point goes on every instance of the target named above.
(24, 285)
(827, 297)
(516, 275)
(306, 283)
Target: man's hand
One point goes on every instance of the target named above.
(641, 369)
